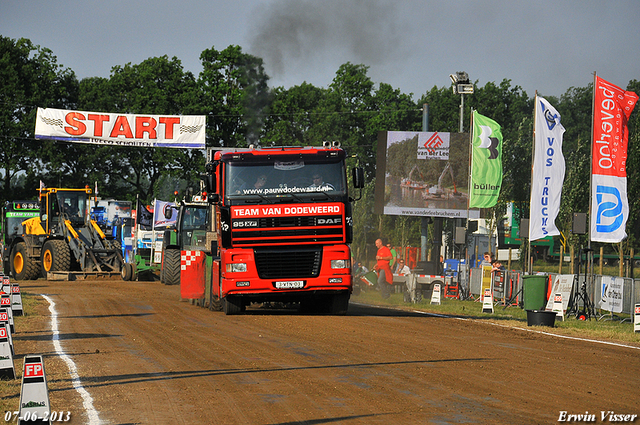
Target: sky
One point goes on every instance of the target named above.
(413, 45)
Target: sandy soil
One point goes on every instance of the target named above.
(146, 357)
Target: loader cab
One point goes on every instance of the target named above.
(64, 204)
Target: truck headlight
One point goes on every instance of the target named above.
(236, 267)
(340, 264)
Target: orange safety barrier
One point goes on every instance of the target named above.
(451, 290)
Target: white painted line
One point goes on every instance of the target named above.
(87, 400)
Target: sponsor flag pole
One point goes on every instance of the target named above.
(593, 109)
(470, 168)
(533, 156)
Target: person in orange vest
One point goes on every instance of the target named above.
(385, 277)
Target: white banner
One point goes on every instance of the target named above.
(609, 208)
(153, 131)
(161, 210)
(612, 294)
(563, 284)
(548, 171)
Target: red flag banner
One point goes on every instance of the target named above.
(609, 205)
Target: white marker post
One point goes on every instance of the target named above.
(435, 295)
(636, 320)
(6, 356)
(557, 306)
(34, 395)
(6, 284)
(16, 300)
(4, 321)
(487, 301)
(5, 302)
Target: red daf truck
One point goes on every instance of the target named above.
(283, 223)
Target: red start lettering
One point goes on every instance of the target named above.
(77, 126)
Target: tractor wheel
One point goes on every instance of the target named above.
(55, 256)
(171, 267)
(23, 267)
(126, 272)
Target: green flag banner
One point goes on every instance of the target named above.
(486, 162)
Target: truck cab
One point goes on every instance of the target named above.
(285, 223)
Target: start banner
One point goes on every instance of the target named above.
(152, 131)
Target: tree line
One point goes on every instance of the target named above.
(233, 92)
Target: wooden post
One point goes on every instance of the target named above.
(601, 260)
(561, 257)
(573, 260)
(621, 266)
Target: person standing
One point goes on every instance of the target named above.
(394, 256)
(402, 268)
(385, 277)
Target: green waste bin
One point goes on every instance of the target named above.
(534, 292)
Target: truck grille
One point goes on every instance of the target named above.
(288, 230)
(287, 263)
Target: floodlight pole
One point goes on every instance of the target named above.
(461, 110)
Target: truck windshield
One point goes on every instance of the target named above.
(296, 178)
(194, 226)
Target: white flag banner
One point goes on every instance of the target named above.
(548, 171)
(153, 131)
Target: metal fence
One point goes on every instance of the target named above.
(508, 286)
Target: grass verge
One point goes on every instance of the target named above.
(602, 329)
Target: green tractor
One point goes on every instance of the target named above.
(193, 232)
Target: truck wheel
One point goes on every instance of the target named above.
(55, 256)
(171, 267)
(232, 305)
(339, 304)
(24, 268)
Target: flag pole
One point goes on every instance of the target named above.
(136, 227)
(593, 111)
(469, 182)
(533, 153)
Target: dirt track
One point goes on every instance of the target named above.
(146, 357)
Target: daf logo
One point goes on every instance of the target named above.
(324, 221)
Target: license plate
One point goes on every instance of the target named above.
(290, 284)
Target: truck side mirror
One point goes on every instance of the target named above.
(168, 211)
(210, 178)
(358, 177)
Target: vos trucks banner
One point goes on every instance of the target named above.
(548, 171)
(609, 205)
(151, 131)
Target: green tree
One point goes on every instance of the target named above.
(30, 77)
(155, 86)
(234, 93)
(291, 115)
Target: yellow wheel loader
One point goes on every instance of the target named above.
(63, 241)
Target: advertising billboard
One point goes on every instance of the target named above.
(423, 174)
